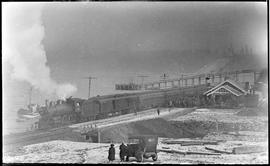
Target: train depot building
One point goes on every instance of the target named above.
(230, 94)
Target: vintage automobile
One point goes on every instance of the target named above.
(142, 146)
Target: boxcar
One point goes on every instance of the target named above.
(113, 106)
(90, 110)
(124, 105)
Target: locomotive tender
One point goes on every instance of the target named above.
(75, 110)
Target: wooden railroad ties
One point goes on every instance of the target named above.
(249, 149)
(188, 143)
(218, 150)
(186, 152)
(236, 150)
(192, 142)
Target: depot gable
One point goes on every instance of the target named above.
(227, 86)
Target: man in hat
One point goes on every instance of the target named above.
(111, 156)
(123, 151)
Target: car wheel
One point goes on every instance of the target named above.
(155, 157)
(139, 156)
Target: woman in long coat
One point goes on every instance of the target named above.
(111, 156)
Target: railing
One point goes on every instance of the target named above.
(201, 79)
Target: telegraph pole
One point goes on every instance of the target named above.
(30, 95)
(142, 77)
(89, 88)
(164, 78)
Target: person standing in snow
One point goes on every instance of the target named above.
(111, 156)
(123, 151)
(170, 105)
(158, 111)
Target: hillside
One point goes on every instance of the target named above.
(186, 61)
(234, 62)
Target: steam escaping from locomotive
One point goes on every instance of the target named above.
(23, 33)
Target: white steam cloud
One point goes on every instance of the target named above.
(23, 33)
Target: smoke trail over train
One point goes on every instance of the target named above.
(23, 33)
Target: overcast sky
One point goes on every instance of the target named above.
(151, 26)
(88, 38)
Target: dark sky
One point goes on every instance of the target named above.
(92, 36)
(134, 27)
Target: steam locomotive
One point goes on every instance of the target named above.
(76, 110)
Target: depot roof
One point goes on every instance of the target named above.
(227, 86)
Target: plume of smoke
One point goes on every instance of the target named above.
(23, 33)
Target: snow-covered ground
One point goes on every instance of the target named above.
(60, 151)
(79, 152)
(220, 115)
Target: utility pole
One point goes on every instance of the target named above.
(89, 88)
(182, 78)
(142, 77)
(30, 95)
(164, 79)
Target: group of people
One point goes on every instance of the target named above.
(122, 154)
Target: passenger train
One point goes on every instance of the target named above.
(75, 110)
